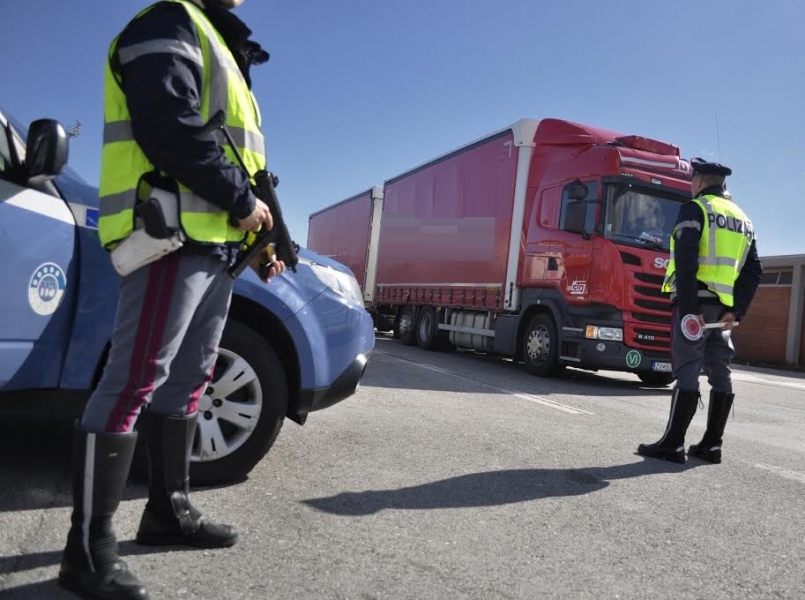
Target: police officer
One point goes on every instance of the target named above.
(170, 69)
(714, 273)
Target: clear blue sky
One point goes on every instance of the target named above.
(357, 91)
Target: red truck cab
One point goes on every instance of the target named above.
(600, 209)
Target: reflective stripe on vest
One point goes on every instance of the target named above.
(123, 163)
(724, 246)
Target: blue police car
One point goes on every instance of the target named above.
(291, 347)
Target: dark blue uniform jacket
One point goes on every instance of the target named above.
(686, 258)
(163, 92)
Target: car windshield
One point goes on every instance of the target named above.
(639, 217)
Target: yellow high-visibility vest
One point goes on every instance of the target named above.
(123, 163)
(726, 237)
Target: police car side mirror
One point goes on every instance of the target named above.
(47, 150)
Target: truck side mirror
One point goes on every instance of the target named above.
(577, 191)
(47, 150)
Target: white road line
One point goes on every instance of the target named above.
(793, 475)
(746, 378)
(527, 397)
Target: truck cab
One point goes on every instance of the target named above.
(291, 347)
(596, 247)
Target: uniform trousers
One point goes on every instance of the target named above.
(712, 353)
(170, 319)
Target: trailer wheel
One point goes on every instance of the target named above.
(656, 379)
(406, 325)
(427, 328)
(541, 347)
(243, 410)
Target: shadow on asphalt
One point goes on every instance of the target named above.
(573, 381)
(35, 474)
(493, 488)
(38, 591)
(49, 588)
(36, 462)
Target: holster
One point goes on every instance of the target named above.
(157, 232)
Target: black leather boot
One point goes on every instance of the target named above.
(169, 517)
(672, 444)
(91, 567)
(709, 448)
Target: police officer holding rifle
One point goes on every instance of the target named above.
(178, 214)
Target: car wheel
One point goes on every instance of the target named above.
(656, 379)
(541, 347)
(242, 410)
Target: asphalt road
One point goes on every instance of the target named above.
(456, 476)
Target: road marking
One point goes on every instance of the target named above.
(522, 396)
(746, 378)
(794, 475)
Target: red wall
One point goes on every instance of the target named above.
(762, 334)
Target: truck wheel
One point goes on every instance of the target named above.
(656, 379)
(541, 347)
(427, 328)
(406, 326)
(242, 411)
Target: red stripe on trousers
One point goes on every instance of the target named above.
(147, 344)
(192, 406)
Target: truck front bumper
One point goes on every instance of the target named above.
(613, 356)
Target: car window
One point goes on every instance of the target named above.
(19, 145)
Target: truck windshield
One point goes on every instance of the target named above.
(641, 218)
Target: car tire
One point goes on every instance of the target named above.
(656, 379)
(253, 377)
(541, 347)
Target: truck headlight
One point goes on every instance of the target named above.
(341, 283)
(613, 334)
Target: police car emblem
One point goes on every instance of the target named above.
(46, 288)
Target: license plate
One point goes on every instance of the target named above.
(662, 367)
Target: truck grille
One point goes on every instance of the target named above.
(651, 309)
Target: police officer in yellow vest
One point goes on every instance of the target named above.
(171, 68)
(714, 273)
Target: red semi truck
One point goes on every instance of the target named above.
(546, 241)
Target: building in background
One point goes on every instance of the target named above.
(773, 333)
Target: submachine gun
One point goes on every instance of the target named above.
(264, 188)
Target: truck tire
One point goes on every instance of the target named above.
(541, 347)
(656, 379)
(427, 328)
(241, 415)
(406, 325)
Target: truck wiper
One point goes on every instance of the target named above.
(646, 241)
